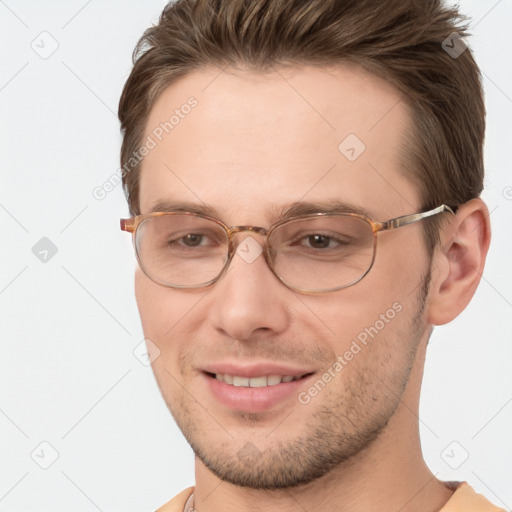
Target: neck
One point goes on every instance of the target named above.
(389, 475)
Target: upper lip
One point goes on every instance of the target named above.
(255, 369)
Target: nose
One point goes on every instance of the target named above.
(249, 299)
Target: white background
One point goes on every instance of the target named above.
(68, 375)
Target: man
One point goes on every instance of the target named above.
(275, 156)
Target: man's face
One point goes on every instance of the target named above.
(255, 143)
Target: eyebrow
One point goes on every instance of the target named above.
(183, 206)
(276, 213)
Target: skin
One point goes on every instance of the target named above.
(260, 140)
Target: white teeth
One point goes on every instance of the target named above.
(254, 382)
(272, 380)
(240, 381)
(258, 382)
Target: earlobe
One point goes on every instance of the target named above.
(459, 261)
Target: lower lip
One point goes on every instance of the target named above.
(249, 399)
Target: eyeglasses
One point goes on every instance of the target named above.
(313, 253)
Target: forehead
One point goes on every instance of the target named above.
(245, 139)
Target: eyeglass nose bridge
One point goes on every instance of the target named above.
(266, 253)
(233, 230)
(253, 229)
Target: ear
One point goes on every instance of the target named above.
(458, 262)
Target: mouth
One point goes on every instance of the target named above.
(257, 392)
(255, 382)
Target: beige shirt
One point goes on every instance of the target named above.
(464, 499)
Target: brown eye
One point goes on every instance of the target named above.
(319, 241)
(192, 240)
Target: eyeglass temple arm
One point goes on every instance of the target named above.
(404, 220)
(128, 225)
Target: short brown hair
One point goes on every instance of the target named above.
(398, 40)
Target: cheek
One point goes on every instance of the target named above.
(158, 311)
(398, 273)
(165, 316)
(147, 303)
(372, 320)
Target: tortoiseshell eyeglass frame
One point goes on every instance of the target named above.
(130, 225)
